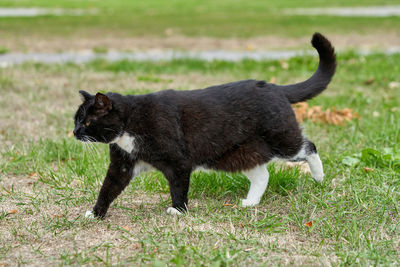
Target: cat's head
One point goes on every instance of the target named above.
(97, 119)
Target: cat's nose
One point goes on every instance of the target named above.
(76, 131)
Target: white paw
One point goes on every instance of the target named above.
(318, 178)
(89, 214)
(249, 202)
(173, 211)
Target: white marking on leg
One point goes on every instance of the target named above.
(125, 142)
(258, 177)
(141, 166)
(89, 214)
(173, 211)
(317, 171)
(202, 169)
(301, 155)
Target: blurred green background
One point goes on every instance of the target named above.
(122, 20)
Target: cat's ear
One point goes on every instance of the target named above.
(85, 96)
(102, 102)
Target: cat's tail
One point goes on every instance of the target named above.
(319, 81)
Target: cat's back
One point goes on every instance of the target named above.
(241, 96)
(237, 100)
(245, 91)
(231, 90)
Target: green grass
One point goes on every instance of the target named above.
(355, 213)
(191, 18)
(3, 50)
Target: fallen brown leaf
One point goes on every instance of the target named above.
(367, 170)
(329, 116)
(136, 246)
(127, 228)
(33, 175)
(369, 81)
(309, 224)
(13, 211)
(227, 205)
(65, 160)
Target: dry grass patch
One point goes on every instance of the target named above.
(26, 43)
(46, 230)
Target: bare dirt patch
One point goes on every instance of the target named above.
(354, 40)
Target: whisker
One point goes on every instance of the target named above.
(89, 146)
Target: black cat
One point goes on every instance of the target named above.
(232, 127)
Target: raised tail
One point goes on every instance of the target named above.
(319, 81)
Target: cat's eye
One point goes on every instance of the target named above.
(87, 123)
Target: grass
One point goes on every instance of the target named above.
(3, 50)
(51, 179)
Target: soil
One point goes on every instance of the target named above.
(52, 45)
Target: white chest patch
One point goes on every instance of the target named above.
(125, 142)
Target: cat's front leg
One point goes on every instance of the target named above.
(118, 176)
(179, 180)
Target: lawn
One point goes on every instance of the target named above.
(48, 179)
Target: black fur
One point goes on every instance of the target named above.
(230, 127)
(319, 81)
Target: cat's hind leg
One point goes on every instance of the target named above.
(309, 153)
(317, 171)
(258, 177)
